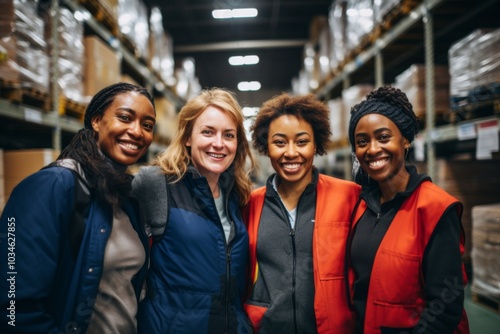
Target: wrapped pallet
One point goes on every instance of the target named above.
(486, 251)
(22, 36)
(70, 60)
(474, 61)
(360, 22)
(337, 21)
(161, 50)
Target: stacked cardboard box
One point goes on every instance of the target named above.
(472, 183)
(412, 83)
(166, 121)
(102, 66)
(486, 250)
(18, 164)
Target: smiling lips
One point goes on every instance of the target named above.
(378, 163)
(291, 167)
(216, 155)
(130, 146)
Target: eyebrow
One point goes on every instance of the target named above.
(377, 131)
(213, 128)
(296, 135)
(132, 111)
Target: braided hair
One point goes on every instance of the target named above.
(111, 185)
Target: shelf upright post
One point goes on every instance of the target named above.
(429, 91)
(379, 67)
(54, 70)
(346, 83)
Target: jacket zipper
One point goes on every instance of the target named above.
(228, 279)
(228, 266)
(294, 273)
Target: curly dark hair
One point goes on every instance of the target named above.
(111, 185)
(306, 107)
(390, 102)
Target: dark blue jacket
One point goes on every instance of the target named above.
(196, 280)
(52, 291)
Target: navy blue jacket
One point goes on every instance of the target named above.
(196, 280)
(52, 292)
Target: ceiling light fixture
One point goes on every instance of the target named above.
(234, 13)
(245, 86)
(243, 60)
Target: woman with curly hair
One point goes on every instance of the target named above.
(407, 239)
(298, 225)
(193, 196)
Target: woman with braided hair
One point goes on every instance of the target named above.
(406, 242)
(81, 250)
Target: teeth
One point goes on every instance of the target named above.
(216, 155)
(377, 163)
(291, 166)
(130, 146)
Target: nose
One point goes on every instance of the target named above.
(135, 129)
(373, 147)
(218, 141)
(291, 150)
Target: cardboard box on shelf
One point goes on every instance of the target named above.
(416, 96)
(18, 164)
(102, 65)
(472, 183)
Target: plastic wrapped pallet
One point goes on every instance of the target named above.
(161, 52)
(337, 21)
(474, 61)
(22, 31)
(381, 8)
(133, 21)
(360, 22)
(486, 250)
(70, 62)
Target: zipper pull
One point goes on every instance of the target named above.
(292, 232)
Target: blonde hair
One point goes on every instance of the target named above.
(176, 158)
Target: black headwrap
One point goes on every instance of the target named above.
(406, 124)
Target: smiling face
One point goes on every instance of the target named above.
(213, 142)
(125, 129)
(380, 148)
(291, 149)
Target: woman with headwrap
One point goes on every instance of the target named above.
(407, 240)
(56, 282)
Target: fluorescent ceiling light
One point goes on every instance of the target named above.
(245, 86)
(234, 13)
(243, 60)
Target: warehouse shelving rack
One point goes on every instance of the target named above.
(413, 40)
(19, 121)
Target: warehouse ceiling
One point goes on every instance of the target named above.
(277, 35)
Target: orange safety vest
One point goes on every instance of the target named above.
(335, 203)
(396, 290)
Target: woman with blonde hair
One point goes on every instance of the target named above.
(193, 195)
